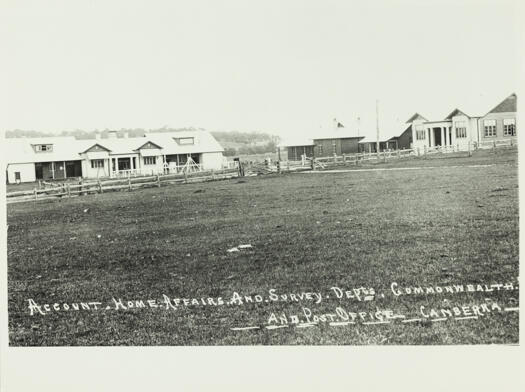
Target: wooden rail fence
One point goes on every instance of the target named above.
(129, 183)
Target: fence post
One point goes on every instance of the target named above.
(494, 146)
(469, 149)
(344, 159)
(418, 151)
(313, 164)
(185, 177)
(35, 193)
(100, 186)
(279, 167)
(68, 191)
(158, 180)
(398, 154)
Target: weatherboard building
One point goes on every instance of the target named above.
(55, 158)
(458, 129)
(463, 130)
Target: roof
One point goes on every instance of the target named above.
(372, 139)
(416, 116)
(438, 121)
(20, 150)
(409, 128)
(297, 142)
(456, 112)
(309, 140)
(509, 104)
(337, 136)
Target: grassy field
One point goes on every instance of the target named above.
(449, 223)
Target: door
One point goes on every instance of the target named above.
(73, 169)
(124, 164)
(437, 137)
(39, 171)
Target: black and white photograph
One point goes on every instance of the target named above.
(241, 173)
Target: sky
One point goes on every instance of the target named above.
(286, 67)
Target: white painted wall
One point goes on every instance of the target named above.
(212, 160)
(472, 131)
(157, 168)
(419, 143)
(89, 172)
(27, 172)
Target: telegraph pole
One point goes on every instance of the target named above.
(377, 127)
(358, 125)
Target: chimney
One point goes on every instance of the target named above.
(112, 134)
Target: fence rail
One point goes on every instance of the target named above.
(84, 187)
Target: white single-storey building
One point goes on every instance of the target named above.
(46, 158)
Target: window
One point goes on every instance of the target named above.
(186, 140)
(420, 132)
(43, 147)
(150, 160)
(17, 176)
(509, 127)
(461, 129)
(490, 128)
(320, 149)
(96, 163)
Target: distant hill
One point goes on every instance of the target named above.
(234, 142)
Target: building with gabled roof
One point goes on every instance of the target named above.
(462, 130)
(500, 122)
(47, 158)
(324, 144)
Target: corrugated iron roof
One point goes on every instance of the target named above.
(509, 104)
(20, 150)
